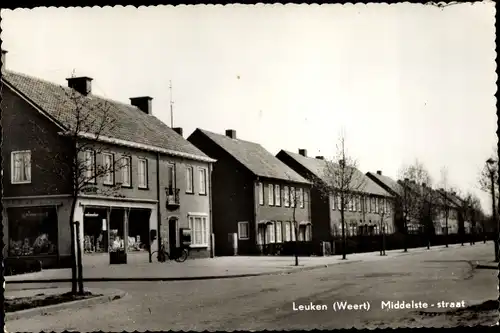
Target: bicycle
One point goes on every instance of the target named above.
(179, 254)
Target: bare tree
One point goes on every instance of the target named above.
(382, 213)
(445, 207)
(471, 211)
(343, 182)
(75, 162)
(297, 197)
(423, 197)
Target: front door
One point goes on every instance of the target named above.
(172, 234)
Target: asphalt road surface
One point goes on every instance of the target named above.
(272, 302)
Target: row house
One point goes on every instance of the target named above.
(162, 187)
(259, 203)
(451, 209)
(370, 212)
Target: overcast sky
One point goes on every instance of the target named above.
(403, 81)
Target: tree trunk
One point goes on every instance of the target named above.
(446, 234)
(73, 245)
(344, 241)
(79, 259)
(405, 233)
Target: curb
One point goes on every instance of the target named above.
(185, 278)
(44, 310)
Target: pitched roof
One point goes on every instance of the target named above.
(129, 123)
(255, 158)
(317, 168)
(388, 181)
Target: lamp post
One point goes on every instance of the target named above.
(489, 163)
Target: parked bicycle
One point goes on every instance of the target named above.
(179, 254)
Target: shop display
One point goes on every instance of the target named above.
(41, 245)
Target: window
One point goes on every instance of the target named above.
(199, 226)
(203, 181)
(301, 197)
(367, 204)
(270, 197)
(170, 176)
(243, 230)
(334, 202)
(270, 233)
(372, 205)
(381, 205)
(143, 173)
(293, 197)
(308, 233)
(189, 179)
(288, 231)
(89, 171)
(353, 205)
(277, 195)
(286, 196)
(20, 167)
(32, 231)
(358, 198)
(293, 231)
(306, 197)
(350, 206)
(108, 161)
(387, 207)
(339, 202)
(279, 232)
(126, 171)
(261, 194)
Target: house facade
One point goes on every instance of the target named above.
(259, 203)
(368, 213)
(162, 185)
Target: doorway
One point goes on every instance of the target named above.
(172, 234)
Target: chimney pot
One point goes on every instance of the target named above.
(320, 157)
(379, 172)
(178, 130)
(303, 152)
(143, 103)
(4, 56)
(82, 84)
(231, 133)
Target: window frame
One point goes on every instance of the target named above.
(202, 172)
(288, 235)
(270, 226)
(90, 175)
(286, 196)
(144, 186)
(191, 223)
(111, 172)
(13, 167)
(293, 197)
(301, 197)
(241, 223)
(260, 193)
(270, 194)
(189, 179)
(279, 231)
(171, 176)
(126, 161)
(277, 195)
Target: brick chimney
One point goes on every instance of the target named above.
(82, 84)
(303, 152)
(178, 130)
(379, 172)
(144, 103)
(4, 56)
(320, 157)
(231, 133)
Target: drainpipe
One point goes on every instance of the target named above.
(255, 203)
(158, 197)
(212, 237)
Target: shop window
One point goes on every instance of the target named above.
(270, 233)
(95, 233)
(279, 232)
(288, 231)
(32, 231)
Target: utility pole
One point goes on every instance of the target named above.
(171, 106)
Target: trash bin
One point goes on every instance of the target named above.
(117, 257)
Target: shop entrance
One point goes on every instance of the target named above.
(138, 230)
(95, 230)
(172, 234)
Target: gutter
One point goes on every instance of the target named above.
(210, 200)
(158, 212)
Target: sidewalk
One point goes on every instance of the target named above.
(209, 268)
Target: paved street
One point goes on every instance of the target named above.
(266, 302)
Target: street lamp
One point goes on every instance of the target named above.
(489, 163)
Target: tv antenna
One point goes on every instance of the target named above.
(171, 106)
